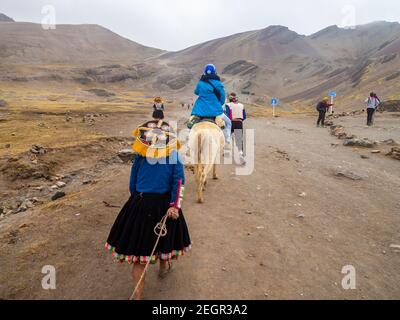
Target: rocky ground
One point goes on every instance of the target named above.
(312, 206)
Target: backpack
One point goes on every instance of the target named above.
(319, 107)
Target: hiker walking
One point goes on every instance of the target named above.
(372, 104)
(237, 114)
(159, 108)
(211, 98)
(322, 108)
(156, 187)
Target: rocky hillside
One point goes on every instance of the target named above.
(29, 43)
(274, 61)
(278, 61)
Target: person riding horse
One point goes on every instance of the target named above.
(206, 139)
(209, 104)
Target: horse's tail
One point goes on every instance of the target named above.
(205, 144)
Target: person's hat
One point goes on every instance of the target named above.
(325, 99)
(210, 69)
(158, 100)
(233, 97)
(155, 139)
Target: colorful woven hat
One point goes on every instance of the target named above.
(155, 139)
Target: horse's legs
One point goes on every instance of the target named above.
(200, 185)
(215, 176)
(196, 172)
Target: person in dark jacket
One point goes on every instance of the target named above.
(323, 107)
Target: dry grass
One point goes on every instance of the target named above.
(36, 114)
(21, 133)
(256, 110)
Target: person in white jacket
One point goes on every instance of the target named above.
(237, 114)
(372, 104)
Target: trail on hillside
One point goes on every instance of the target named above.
(284, 232)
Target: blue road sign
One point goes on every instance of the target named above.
(274, 102)
(333, 94)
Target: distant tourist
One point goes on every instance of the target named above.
(372, 104)
(323, 107)
(159, 109)
(237, 114)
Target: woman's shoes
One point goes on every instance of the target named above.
(163, 273)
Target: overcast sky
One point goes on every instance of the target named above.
(177, 24)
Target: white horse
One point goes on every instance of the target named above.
(206, 145)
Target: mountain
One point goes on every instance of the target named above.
(29, 43)
(371, 39)
(4, 18)
(260, 47)
(274, 61)
(279, 62)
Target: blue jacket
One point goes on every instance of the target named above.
(207, 104)
(160, 178)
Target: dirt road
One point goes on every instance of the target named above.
(283, 232)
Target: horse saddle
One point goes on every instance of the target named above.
(215, 120)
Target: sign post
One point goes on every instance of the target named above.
(274, 103)
(332, 94)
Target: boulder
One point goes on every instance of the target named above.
(390, 142)
(60, 184)
(342, 173)
(58, 195)
(395, 153)
(337, 130)
(87, 181)
(126, 155)
(362, 143)
(25, 205)
(37, 149)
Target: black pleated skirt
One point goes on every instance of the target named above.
(132, 237)
(158, 114)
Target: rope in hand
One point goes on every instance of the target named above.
(161, 231)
